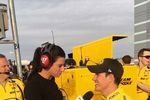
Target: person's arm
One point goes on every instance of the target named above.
(143, 87)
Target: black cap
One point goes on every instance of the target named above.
(108, 66)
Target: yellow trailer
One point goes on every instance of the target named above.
(77, 81)
(96, 50)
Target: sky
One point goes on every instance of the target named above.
(73, 22)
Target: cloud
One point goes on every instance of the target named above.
(73, 22)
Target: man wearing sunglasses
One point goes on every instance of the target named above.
(143, 84)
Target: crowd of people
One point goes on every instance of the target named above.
(49, 61)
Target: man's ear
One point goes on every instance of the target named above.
(139, 58)
(111, 77)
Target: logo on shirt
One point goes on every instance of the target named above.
(126, 81)
(117, 93)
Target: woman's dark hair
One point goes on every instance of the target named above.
(36, 59)
(56, 52)
(35, 62)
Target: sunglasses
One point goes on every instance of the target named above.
(147, 57)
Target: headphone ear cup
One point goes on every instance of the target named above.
(45, 61)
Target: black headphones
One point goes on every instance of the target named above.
(46, 55)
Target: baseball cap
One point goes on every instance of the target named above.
(108, 66)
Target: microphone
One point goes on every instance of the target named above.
(88, 95)
(79, 98)
(5, 73)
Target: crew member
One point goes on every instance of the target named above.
(143, 83)
(107, 78)
(10, 89)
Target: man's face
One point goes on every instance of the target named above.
(4, 66)
(58, 67)
(144, 59)
(101, 81)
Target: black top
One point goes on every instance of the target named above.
(39, 88)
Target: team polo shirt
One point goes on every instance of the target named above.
(118, 94)
(12, 90)
(143, 77)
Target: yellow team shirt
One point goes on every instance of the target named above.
(143, 77)
(12, 90)
(118, 94)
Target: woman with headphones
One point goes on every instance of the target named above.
(48, 63)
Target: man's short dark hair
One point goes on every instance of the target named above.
(126, 59)
(140, 53)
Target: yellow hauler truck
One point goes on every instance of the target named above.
(96, 50)
(77, 81)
